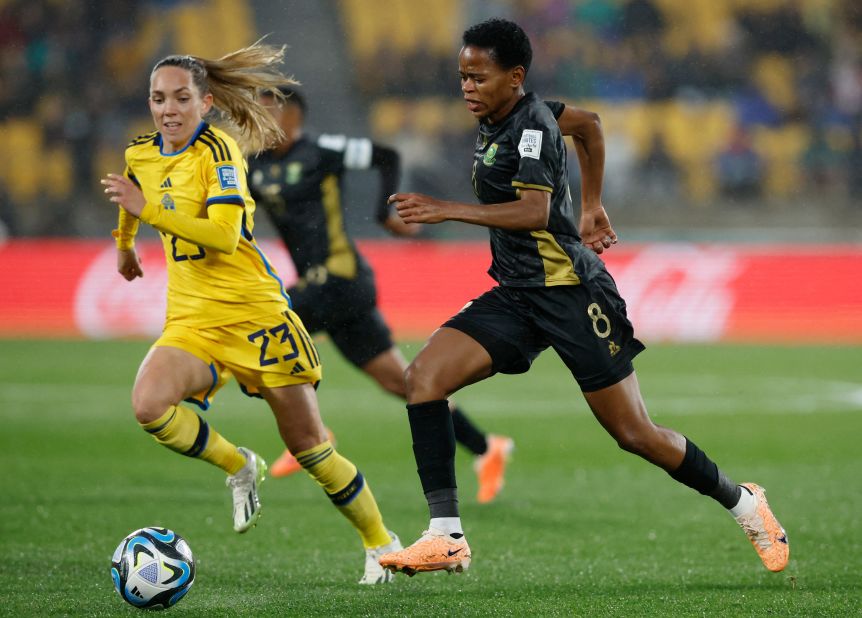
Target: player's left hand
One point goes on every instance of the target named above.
(123, 191)
(596, 230)
(418, 208)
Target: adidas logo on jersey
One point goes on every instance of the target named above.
(167, 184)
(297, 368)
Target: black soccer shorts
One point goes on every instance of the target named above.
(585, 324)
(346, 309)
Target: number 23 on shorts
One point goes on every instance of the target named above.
(281, 335)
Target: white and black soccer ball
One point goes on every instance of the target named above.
(153, 568)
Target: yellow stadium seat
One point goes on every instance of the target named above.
(700, 182)
(700, 24)
(387, 117)
(640, 123)
(212, 28)
(428, 116)
(363, 24)
(57, 173)
(694, 132)
(402, 25)
(782, 150)
(774, 75)
(23, 136)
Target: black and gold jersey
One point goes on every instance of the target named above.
(526, 151)
(301, 191)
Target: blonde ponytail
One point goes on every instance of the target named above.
(235, 80)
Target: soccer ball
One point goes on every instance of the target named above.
(153, 568)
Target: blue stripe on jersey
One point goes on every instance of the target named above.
(245, 231)
(271, 272)
(205, 404)
(201, 127)
(226, 199)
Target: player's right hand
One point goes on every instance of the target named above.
(129, 264)
(419, 208)
(397, 227)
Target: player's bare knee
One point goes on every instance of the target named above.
(642, 440)
(149, 406)
(633, 441)
(421, 383)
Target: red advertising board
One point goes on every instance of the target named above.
(675, 292)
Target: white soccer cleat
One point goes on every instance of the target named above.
(374, 573)
(243, 485)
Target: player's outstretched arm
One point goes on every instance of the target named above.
(388, 162)
(219, 230)
(528, 213)
(585, 129)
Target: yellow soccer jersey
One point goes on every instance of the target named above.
(206, 287)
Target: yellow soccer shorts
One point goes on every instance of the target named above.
(266, 352)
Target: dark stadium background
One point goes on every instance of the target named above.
(727, 123)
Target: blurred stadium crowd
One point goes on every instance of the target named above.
(704, 102)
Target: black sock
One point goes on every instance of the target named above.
(442, 502)
(434, 450)
(467, 433)
(700, 473)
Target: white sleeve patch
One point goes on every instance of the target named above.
(227, 177)
(332, 142)
(531, 143)
(357, 155)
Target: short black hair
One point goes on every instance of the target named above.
(291, 95)
(506, 41)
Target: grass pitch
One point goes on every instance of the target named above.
(581, 528)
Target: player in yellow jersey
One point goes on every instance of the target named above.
(227, 311)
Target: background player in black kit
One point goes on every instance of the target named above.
(299, 184)
(553, 291)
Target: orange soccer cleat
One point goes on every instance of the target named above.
(491, 467)
(284, 465)
(287, 464)
(434, 551)
(764, 532)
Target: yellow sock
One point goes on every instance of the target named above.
(347, 489)
(185, 432)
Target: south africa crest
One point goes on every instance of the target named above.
(490, 155)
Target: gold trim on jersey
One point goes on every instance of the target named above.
(559, 269)
(341, 261)
(524, 185)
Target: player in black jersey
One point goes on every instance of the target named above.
(553, 291)
(298, 184)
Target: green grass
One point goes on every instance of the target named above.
(581, 528)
